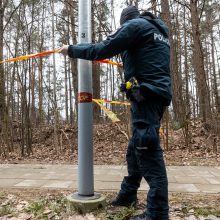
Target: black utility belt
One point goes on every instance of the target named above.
(132, 90)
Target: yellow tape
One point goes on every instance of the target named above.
(161, 132)
(109, 113)
(113, 116)
(112, 102)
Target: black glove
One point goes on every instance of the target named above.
(123, 87)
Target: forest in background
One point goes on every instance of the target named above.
(41, 92)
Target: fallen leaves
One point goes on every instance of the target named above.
(110, 146)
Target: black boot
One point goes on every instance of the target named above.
(124, 200)
(141, 217)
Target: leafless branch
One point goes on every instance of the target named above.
(12, 15)
(203, 5)
(123, 132)
(5, 4)
(183, 4)
(69, 142)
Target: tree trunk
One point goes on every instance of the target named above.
(154, 6)
(198, 64)
(40, 69)
(216, 94)
(187, 95)
(96, 68)
(177, 99)
(55, 110)
(66, 90)
(70, 4)
(2, 77)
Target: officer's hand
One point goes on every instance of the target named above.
(64, 49)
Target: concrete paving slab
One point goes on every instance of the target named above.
(215, 173)
(205, 171)
(190, 179)
(144, 186)
(108, 170)
(11, 175)
(7, 183)
(37, 176)
(30, 183)
(209, 188)
(204, 168)
(3, 166)
(202, 174)
(215, 180)
(181, 179)
(108, 186)
(116, 167)
(175, 172)
(171, 178)
(49, 176)
(108, 177)
(187, 188)
(72, 177)
(179, 168)
(57, 184)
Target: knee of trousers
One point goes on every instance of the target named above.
(159, 184)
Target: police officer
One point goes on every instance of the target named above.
(142, 40)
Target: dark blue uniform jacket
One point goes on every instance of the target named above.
(145, 51)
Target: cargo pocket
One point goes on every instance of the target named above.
(145, 137)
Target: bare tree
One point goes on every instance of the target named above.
(198, 63)
(56, 144)
(3, 4)
(175, 74)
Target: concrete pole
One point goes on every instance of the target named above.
(85, 145)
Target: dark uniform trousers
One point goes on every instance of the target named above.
(145, 158)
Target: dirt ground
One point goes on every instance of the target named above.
(51, 204)
(110, 144)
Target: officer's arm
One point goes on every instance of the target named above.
(122, 40)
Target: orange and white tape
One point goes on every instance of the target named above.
(110, 62)
(45, 53)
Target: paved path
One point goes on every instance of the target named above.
(192, 179)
